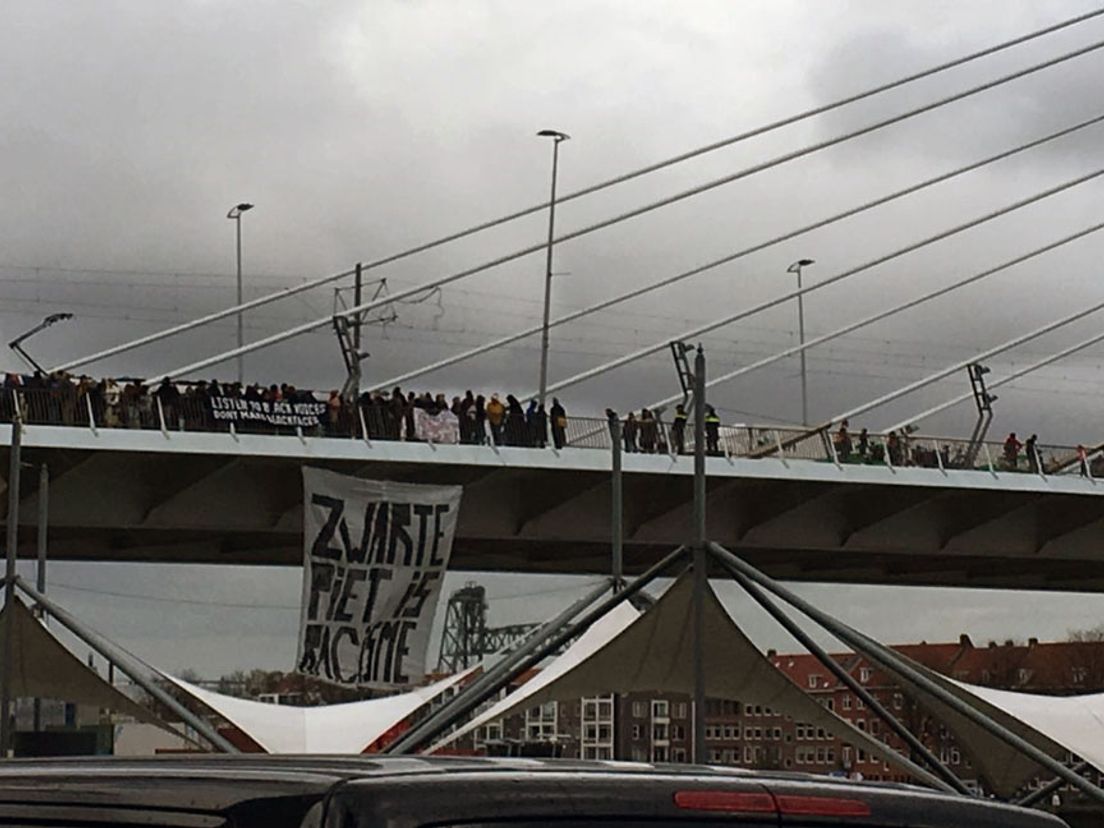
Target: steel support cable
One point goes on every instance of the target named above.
(786, 297)
(605, 304)
(997, 383)
(630, 214)
(594, 188)
(896, 309)
(958, 366)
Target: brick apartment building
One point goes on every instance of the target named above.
(659, 727)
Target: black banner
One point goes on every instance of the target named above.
(231, 410)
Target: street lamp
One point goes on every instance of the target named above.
(556, 137)
(17, 343)
(235, 215)
(796, 268)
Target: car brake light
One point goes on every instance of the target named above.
(822, 806)
(729, 801)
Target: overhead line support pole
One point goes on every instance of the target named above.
(15, 462)
(617, 513)
(701, 559)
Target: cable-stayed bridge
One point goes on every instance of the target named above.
(782, 494)
(126, 494)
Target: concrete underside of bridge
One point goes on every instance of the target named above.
(121, 495)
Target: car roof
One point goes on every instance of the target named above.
(220, 783)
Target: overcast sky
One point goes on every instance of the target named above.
(127, 129)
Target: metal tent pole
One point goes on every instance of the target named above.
(491, 678)
(617, 516)
(701, 559)
(424, 733)
(12, 518)
(129, 665)
(943, 778)
(890, 661)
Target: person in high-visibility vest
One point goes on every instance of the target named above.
(712, 430)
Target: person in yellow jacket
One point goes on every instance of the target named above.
(496, 416)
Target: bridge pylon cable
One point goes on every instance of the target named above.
(634, 213)
(655, 348)
(960, 365)
(893, 311)
(594, 188)
(999, 381)
(605, 304)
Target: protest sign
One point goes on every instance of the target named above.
(442, 427)
(282, 413)
(374, 556)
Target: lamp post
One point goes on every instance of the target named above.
(235, 215)
(557, 138)
(796, 268)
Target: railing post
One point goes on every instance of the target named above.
(989, 459)
(363, 425)
(161, 417)
(938, 456)
(781, 451)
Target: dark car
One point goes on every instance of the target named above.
(300, 792)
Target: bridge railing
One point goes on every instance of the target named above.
(74, 406)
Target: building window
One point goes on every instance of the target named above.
(659, 753)
(680, 710)
(678, 755)
(660, 709)
(678, 733)
(956, 757)
(639, 709)
(861, 724)
(639, 754)
(636, 731)
(845, 703)
(898, 701)
(814, 681)
(864, 674)
(659, 732)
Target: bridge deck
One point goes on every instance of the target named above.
(216, 498)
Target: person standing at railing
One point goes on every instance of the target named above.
(864, 445)
(678, 429)
(516, 428)
(648, 431)
(496, 418)
(480, 435)
(1012, 448)
(1032, 452)
(628, 433)
(712, 430)
(559, 424)
(843, 442)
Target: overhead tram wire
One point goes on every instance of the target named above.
(647, 208)
(605, 304)
(958, 366)
(999, 381)
(310, 284)
(786, 297)
(885, 314)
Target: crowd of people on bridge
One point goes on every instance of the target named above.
(59, 398)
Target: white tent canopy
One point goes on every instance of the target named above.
(653, 652)
(333, 728)
(1076, 723)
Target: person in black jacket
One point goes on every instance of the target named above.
(559, 424)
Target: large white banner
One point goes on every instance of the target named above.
(374, 556)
